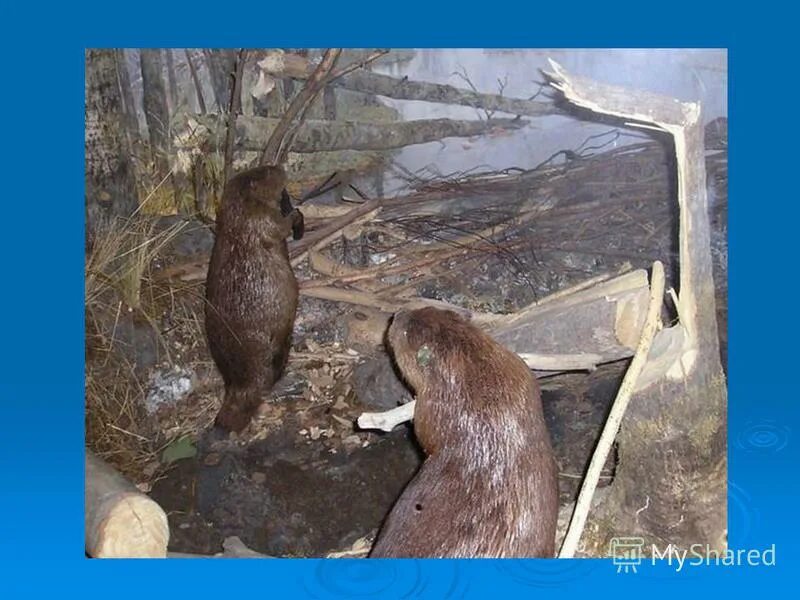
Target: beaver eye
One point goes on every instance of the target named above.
(424, 355)
(418, 507)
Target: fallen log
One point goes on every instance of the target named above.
(279, 64)
(604, 320)
(121, 521)
(314, 136)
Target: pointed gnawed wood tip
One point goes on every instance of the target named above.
(556, 76)
(658, 270)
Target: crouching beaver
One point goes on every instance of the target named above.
(251, 290)
(488, 487)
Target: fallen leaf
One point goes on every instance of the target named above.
(178, 450)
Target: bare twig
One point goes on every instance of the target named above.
(463, 75)
(339, 223)
(278, 145)
(332, 236)
(327, 79)
(356, 65)
(383, 270)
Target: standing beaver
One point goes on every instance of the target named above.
(251, 290)
(488, 487)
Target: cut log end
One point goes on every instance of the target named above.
(135, 527)
(121, 522)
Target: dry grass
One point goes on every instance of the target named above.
(121, 295)
(117, 426)
(120, 258)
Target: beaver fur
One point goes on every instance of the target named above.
(488, 487)
(251, 291)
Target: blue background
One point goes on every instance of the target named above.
(41, 285)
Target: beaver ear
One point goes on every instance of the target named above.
(465, 316)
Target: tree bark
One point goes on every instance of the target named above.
(109, 177)
(361, 80)
(220, 64)
(315, 136)
(201, 103)
(129, 106)
(121, 522)
(670, 484)
(171, 81)
(234, 108)
(156, 111)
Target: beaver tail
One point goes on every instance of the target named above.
(238, 408)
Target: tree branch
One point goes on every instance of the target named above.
(277, 147)
(234, 106)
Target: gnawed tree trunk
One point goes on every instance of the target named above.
(272, 104)
(156, 111)
(315, 136)
(121, 522)
(361, 80)
(110, 182)
(670, 484)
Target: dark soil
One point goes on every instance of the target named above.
(288, 495)
(284, 496)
